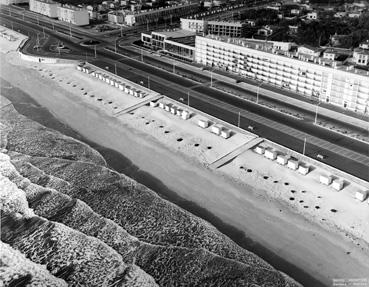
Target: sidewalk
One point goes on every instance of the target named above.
(296, 101)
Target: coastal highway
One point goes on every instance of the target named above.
(268, 123)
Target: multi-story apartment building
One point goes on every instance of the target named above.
(305, 74)
(223, 28)
(194, 25)
(150, 16)
(220, 28)
(75, 15)
(48, 8)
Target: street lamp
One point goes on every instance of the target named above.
(211, 78)
(304, 148)
(239, 119)
(316, 114)
(257, 93)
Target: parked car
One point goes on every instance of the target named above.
(321, 156)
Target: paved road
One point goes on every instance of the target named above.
(236, 89)
(348, 155)
(269, 124)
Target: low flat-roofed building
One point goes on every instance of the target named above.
(48, 8)
(224, 28)
(178, 43)
(72, 14)
(309, 50)
(336, 54)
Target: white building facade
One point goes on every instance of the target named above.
(75, 15)
(220, 28)
(153, 15)
(341, 87)
(48, 8)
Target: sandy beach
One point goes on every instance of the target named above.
(244, 202)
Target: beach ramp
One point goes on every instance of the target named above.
(234, 153)
(136, 106)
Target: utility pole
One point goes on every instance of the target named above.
(95, 50)
(70, 30)
(12, 25)
(23, 15)
(115, 68)
(121, 30)
(303, 150)
(37, 41)
(211, 78)
(38, 20)
(239, 119)
(43, 31)
(188, 98)
(52, 23)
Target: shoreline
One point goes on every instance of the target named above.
(130, 169)
(226, 200)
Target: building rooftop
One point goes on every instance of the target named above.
(267, 46)
(225, 23)
(340, 51)
(361, 51)
(157, 10)
(190, 41)
(315, 49)
(176, 33)
(71, 7)
(48, 1)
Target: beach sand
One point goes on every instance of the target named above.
(323, 254)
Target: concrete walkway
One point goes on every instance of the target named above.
(231, 155)
(140, 104)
